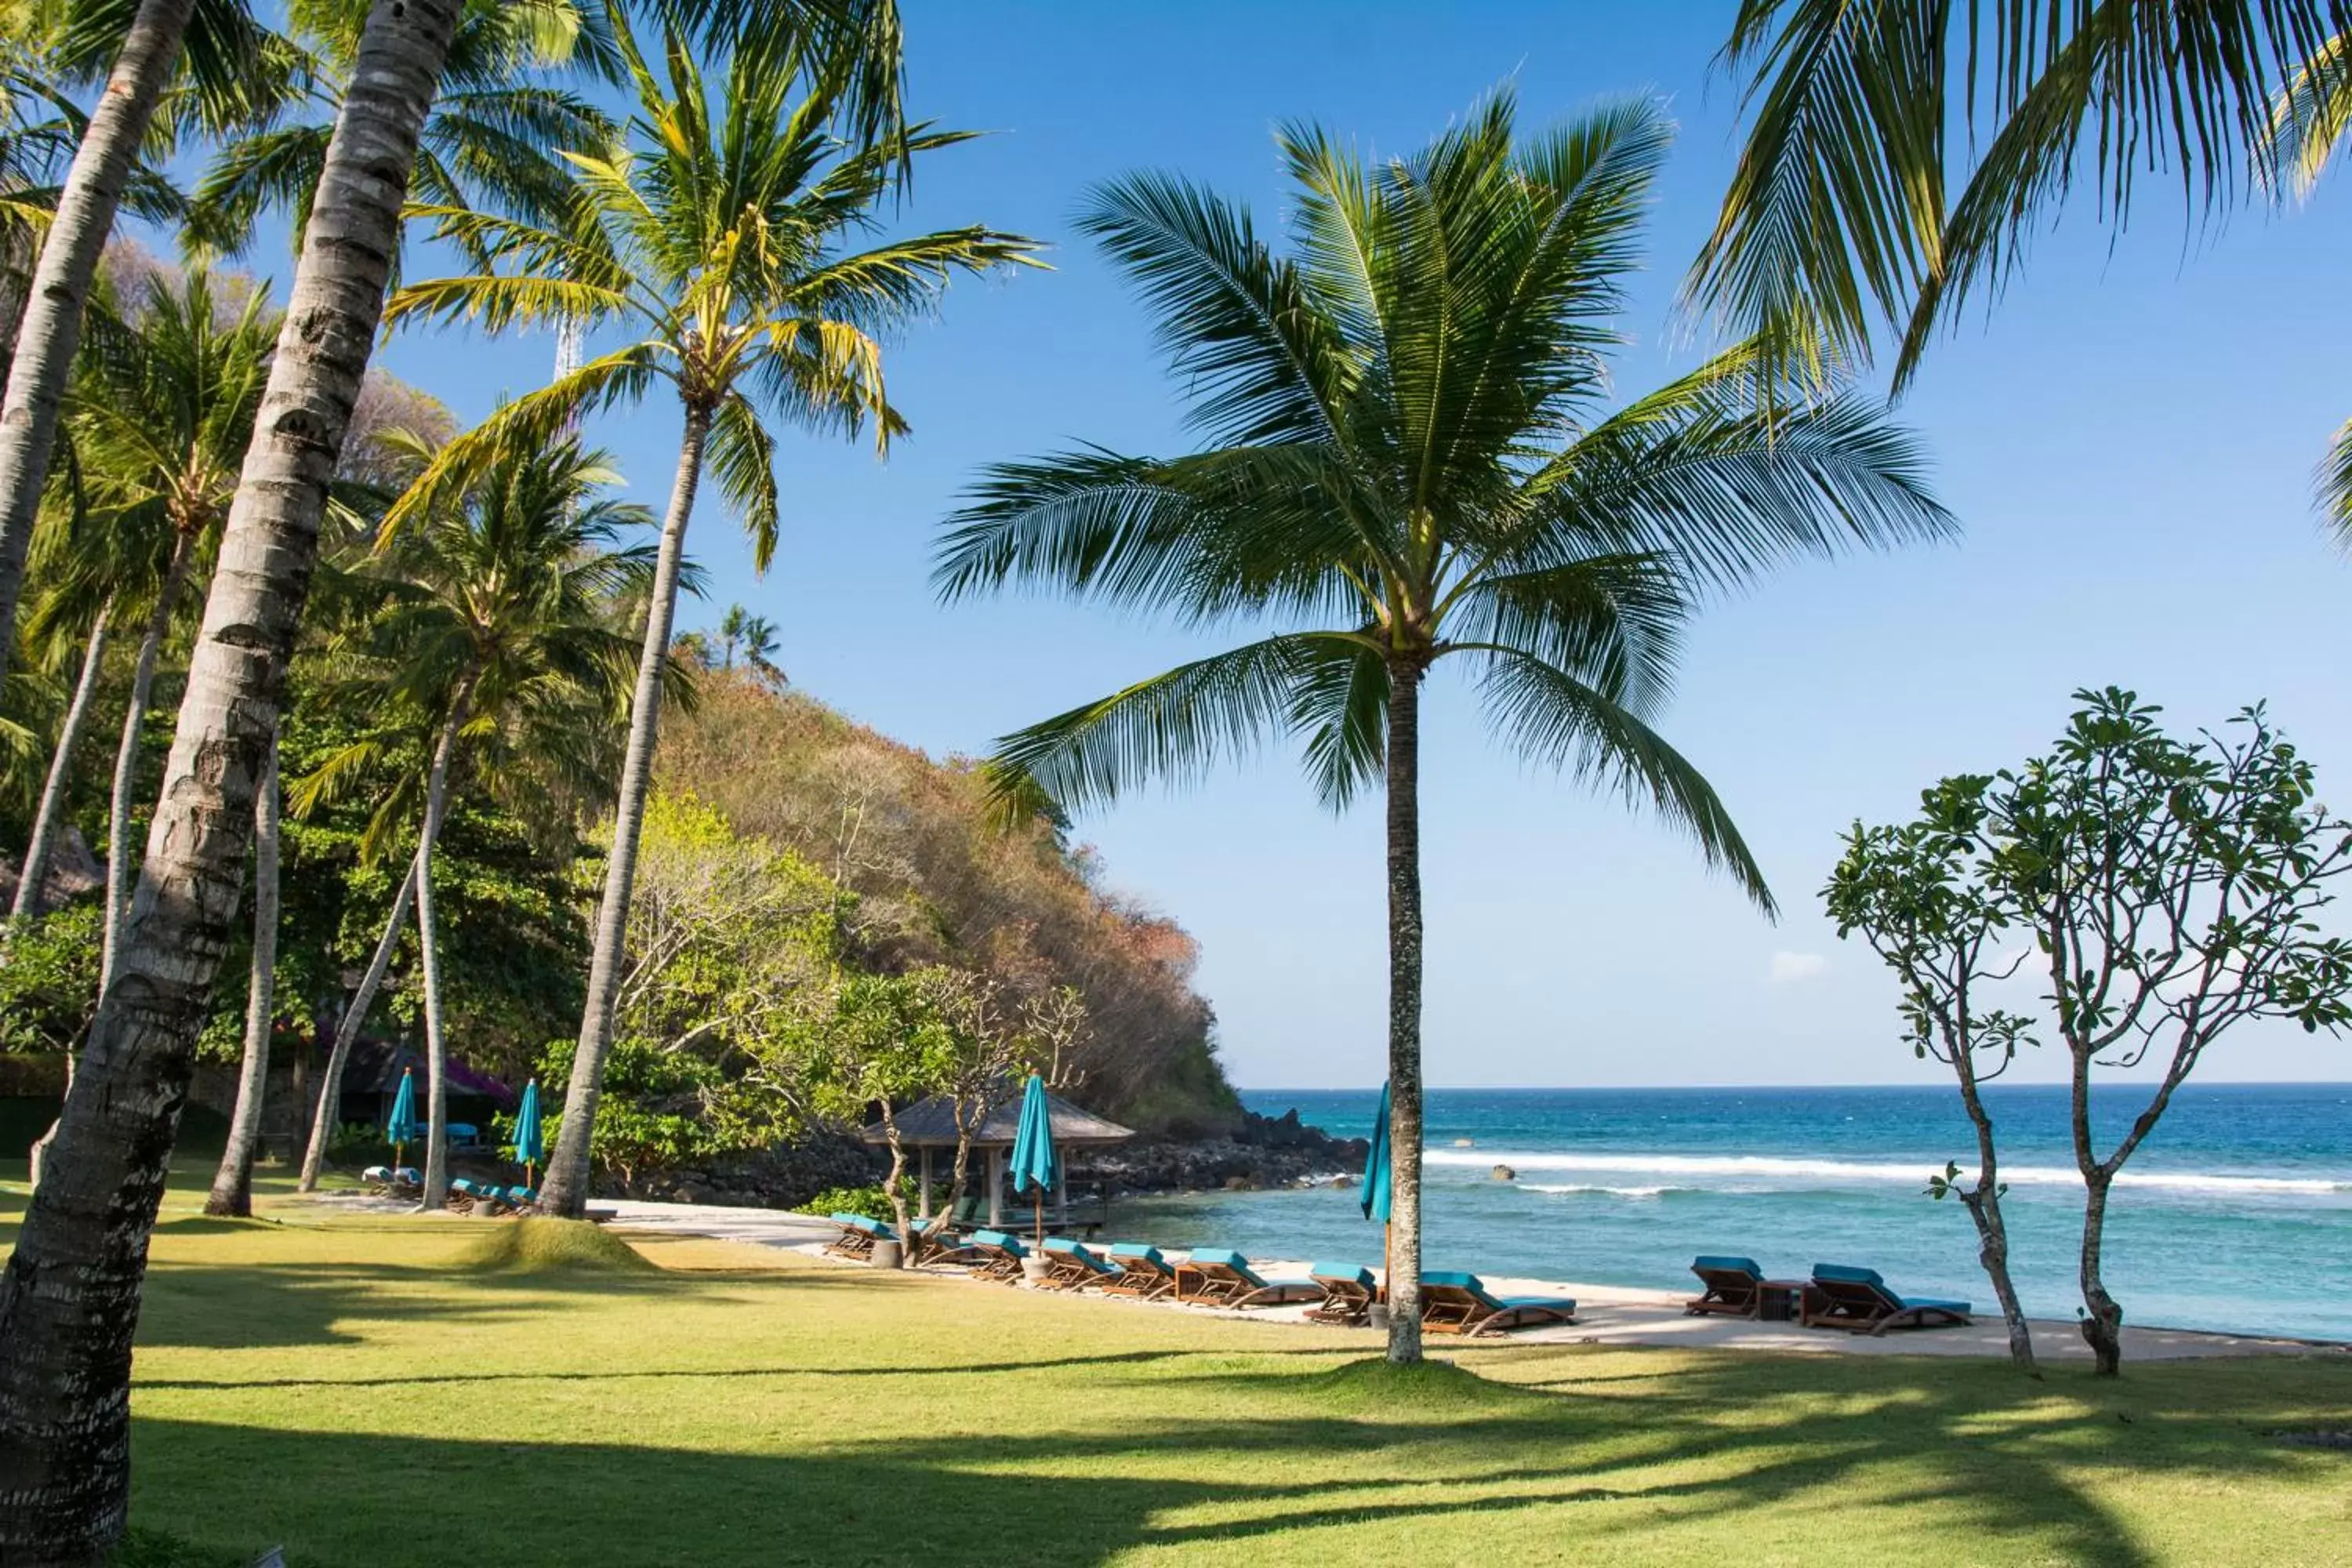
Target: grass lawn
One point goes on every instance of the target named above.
(350, 1389)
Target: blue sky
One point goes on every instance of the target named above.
(2130, 440)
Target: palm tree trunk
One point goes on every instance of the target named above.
(232, 1193)
(69, 1297)
(347, 1032)
(1404, 1014)
(31, 896)
(564, 1194)
(126, 757)
(51, 327)
(436, 1046)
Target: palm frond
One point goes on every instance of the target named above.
(2336, 488)
(1552, 718)
(744, 461)
(2312, 119)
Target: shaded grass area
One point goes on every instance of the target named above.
(349, 1387)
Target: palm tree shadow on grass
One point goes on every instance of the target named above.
(2004, 1466)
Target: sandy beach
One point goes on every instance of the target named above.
(1606, 1314)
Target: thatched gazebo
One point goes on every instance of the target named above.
(928, 1125)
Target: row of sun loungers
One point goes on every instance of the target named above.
(1835, 1296)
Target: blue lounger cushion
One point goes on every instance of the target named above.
(1353, 1273)
(1063, 1246)
(1476, 1289)
(1000, 1241)
(1124, 1253)
(410, 1175)
(1223, 1257)
(1846, 1274)
(873, 1227)
(1726, 1265)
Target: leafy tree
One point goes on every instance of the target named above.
(887, 1044)
(1910, 890)
(498, 611)
(717, 235)
(2169, 888)
(1866, 120)
(1407, 449)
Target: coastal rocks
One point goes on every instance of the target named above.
(1505, 1173)
(779, 1178)
(1269, 1151)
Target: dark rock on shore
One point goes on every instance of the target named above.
(1269, 1152)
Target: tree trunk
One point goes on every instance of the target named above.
(232, 1193)
(2103, 1316)
(347, 1033)
(31, 895)
(1992, 1231)
(565, 1192)
(37, 1158)
(1404, 1014)
(50, 329)
(126, 758)
(891, 1184)
(69, 1297)
(437, 1044)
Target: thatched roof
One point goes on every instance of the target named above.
(931, 1124)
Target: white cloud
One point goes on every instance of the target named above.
(1796, 968)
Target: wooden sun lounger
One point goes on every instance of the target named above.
(1731, 1288)
(1349, 1293)
(394, 1181)
(1213, 1277)
(1142, 1272)
(1072, 1265)
(1857, 1300)
(1458, 1303)
(995, 1254)
(859, 1234)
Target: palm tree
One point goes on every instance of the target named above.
(2311, 122)
(69, 1297)
(1407, 454)
(236, 71)
(232, 1190)
(716, 239)
(493, 138)
(1864, 118)
(160, 419)
(498, 616)
(753, 637)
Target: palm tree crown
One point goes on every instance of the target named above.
(1408, 454)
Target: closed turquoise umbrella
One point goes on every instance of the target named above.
(530, 1141)
(1374, 1195)
(401, 1125)
(1035, 1165)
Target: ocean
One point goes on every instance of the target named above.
(2236, 1215)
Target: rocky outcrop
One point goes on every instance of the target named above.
(1269, 1152)
(779, 1178)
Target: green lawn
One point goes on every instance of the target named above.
(348, 1389)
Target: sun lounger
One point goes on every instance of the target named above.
(1142, 1272)
(465, 1197)
(859, 1234)
(1457, 1303)
(1349, 1293)
(1072, 1265)
(935, 1242)
(1213, 1277)
(1857, 1300)
(995, 1254)
(393, 1181)
(1731, 1286)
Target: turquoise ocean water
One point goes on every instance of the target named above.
(2236, 1215)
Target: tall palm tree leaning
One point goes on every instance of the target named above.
(69, 1297)
(499, 610)
(1406, 450)
(1842, 221)
(238, 72)
(714, 240)
(232, 1190)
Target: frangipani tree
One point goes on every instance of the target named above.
(716, 241)
(1409, 461)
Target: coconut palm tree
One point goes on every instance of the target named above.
(160, 417)
(2311, 122)
(69, 1297)
(232, 1189)
(498, 616)
(716, 241)
(494, 138)
(753, 637)
(234, 71)
(1409, 459)
(1901, 154)
(64, 1347)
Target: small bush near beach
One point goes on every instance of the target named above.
(736, 1405)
